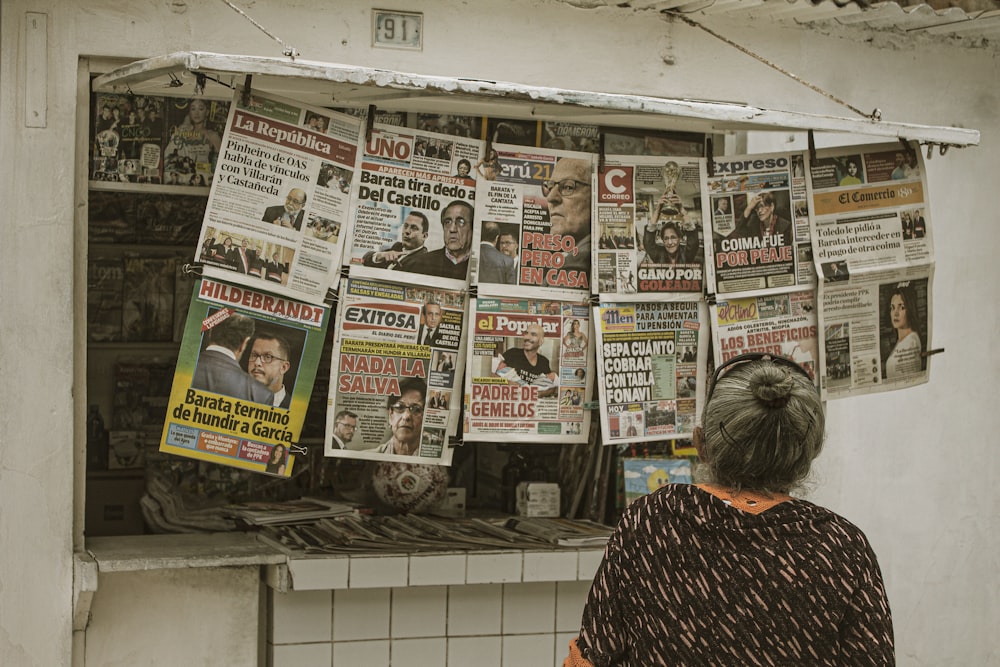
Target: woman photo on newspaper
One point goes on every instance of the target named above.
(902, 341)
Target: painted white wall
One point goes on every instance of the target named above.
(914, 469)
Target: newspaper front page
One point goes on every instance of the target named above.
(279, 199)
(413, 207)
(777, 324)
(875, 254)
(648, 356)
(533, 239)
(759, 225)
(245, 371)
(529, 373)
(395, 390)
(650, 229)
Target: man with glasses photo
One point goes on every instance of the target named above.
(406, 418)
(452, 260)
(268, 362)
(219, 370)
(290, 213)
(345, 423)
(568, 198)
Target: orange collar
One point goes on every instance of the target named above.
(752, 502)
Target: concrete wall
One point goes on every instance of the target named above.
(914, 468)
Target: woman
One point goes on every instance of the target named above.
(196, 124)
(575, 340)
(735, 571)
(906, 346)
(672, 252)
(276, 462)
(489, 167)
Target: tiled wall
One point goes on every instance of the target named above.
(510, 609)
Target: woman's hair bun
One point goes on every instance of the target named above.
(772, 385)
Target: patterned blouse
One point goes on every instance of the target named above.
(688, 579)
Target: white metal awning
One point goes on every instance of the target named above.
(336, 85)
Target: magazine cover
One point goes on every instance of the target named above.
(650, 229)
(648, 356)
(193, 140)
(529, 373)
(244, 374)
(413, 207)
(645, 475)
(395, 390)
(127, 138)
(541, 200)
(279, 202)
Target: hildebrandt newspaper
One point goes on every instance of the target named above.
(875, 255)
(393, 393)
(278, 203)
(245, 371)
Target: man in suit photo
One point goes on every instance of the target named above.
(289, 214)
(495, 266)
(270, 359)
(219, 370)
(395, 256)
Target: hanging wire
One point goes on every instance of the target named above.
(289, 51)
(876, 115)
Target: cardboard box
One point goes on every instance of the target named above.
(538, 499)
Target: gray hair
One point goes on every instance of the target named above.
(763, 426)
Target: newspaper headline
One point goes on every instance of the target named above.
(395, 366)
(875, 253)
(759, 225)
(413, 206)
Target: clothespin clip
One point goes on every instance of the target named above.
(710, 156)
(192, 269)
(369, 123)
(245, 99)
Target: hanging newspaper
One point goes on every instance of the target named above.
(413, 205)
(648, 356)
(529, 371)
(534, 206)
(759, 225)
(244, 375)
(649, 221)
(393, 393)
(280, 196)
(874, 250)
(782, 325)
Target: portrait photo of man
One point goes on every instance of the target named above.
(290, 213)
